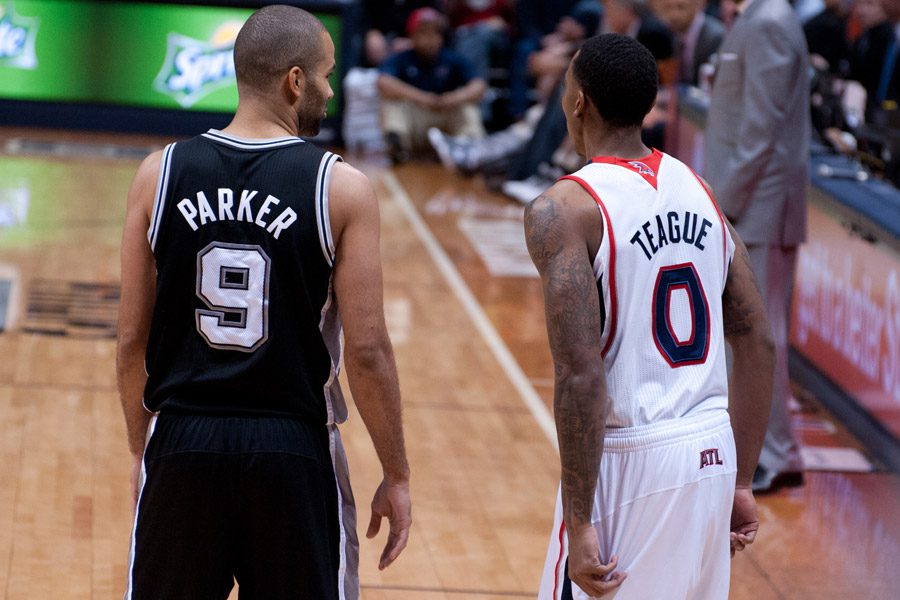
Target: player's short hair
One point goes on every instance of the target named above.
(274, 39)
(619, 76)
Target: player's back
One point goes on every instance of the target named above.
(244, 322)
(661, 270)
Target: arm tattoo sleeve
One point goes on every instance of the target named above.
(573, 327)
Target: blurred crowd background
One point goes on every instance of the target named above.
(476, 83)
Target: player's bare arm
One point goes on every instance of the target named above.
(368, 354)
(136, 307)
(748, 333)
(557, 240)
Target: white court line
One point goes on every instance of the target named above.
(501, 352)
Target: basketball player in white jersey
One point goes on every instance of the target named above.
(644, 281)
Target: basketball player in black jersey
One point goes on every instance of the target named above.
(245, 253)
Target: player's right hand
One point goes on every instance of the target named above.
(585, 569)
(392, 501)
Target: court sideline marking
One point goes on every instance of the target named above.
(473, 309)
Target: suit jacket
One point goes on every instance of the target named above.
(708, 41)
(757, 135)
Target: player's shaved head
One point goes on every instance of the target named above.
(619, 76)
(274, 39)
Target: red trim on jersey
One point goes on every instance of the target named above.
(647, 166)
(722, 219)
(556, 577)
(612, 260)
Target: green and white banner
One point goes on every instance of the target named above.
(128, 53)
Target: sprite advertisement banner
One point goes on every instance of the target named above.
(128, 53)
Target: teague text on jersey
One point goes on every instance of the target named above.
(673, 228)
(250, 208)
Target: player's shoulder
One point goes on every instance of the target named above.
(349, 182)
(148, 171)
(566, 206)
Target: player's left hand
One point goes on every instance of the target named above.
(392, 501)
(744, 519)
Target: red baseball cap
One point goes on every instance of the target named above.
(420, 16)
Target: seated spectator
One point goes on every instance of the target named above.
(427, 86)
(548, 65)
(482, 33)
(826, 35)
(873, 59)
(697, 35)
(530, 166)
(634, 18)
(534, 20)
(385, 22)
(481, 29)
(496, 152)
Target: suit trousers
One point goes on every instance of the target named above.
(774, 268)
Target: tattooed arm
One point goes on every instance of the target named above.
(558, 229)
(750, 396)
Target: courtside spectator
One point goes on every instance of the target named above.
(697, 35)
(427, 86)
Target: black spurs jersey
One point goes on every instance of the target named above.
(245, 322)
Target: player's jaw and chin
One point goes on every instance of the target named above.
(311, 111)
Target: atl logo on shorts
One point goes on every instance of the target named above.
(710, 456)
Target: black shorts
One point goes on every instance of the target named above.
(224, 498)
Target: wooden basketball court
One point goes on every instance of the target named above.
(466, 317)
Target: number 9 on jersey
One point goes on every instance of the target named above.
(233, 282)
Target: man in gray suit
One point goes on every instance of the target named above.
(697, 34)
(756, 160)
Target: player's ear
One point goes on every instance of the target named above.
(580, 104)
(295, 82)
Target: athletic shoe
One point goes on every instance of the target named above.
(456, 154)
(766, 482)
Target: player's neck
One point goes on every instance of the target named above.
(618, 143)
(259, 120)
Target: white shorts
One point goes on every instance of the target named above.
(663, 505)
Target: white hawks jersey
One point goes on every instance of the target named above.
(661, 270)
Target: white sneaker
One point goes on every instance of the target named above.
(528, 189)
(441, 145)
(456, 154)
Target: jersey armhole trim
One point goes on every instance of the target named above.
(612, 260)
(159, 200)
(323, 219)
